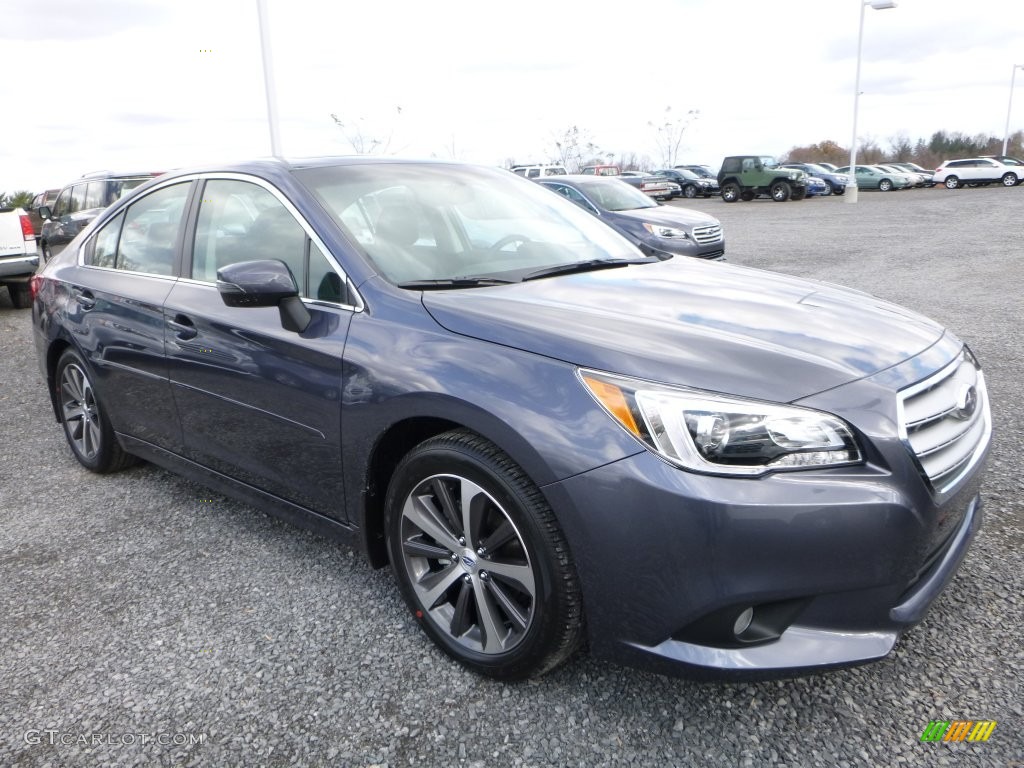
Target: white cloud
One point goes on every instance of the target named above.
(116, 84)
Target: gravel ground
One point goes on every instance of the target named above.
(139, 607)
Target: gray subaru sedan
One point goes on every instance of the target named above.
(549, 435)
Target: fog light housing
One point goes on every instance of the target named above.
(742, 623)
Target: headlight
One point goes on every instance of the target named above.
(717, 434)
(669, 233)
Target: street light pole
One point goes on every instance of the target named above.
(1009, 107)
(851, 183)
(268, 78)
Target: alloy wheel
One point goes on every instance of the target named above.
(80, 411)
(468, 564)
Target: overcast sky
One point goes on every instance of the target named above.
(159, 84)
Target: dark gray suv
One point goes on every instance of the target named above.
(550, 436)
(79, 203)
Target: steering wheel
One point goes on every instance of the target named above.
(508, 240)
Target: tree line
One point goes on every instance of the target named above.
(928, 153)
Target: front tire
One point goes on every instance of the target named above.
(480, 559)
(1009, 179)
(829, 189)
(689, 191)
(781, 191)
(85, 422)
(884, 185)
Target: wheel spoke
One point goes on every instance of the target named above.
(515, 615)
(73, 411)
(490, 622)
(416, 547)
(72, 385)
(447, 504)
(436, 583)
(420, 511)
(460, 619)
(91, 439)
(474, 504)
(520, 574)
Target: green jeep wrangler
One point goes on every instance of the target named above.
(744, 177)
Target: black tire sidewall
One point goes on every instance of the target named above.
(432, 459)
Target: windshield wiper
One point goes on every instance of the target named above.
(453, 282)
(583, 266)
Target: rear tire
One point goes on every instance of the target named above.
(84, 419)
(21, 295)
(952, 182)
(494, 585)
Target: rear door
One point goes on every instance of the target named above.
(116, 311)
(259, 403)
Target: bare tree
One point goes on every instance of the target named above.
(901, 148)
(572, 146)
(668, 133)
(366, 138)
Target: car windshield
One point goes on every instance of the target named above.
(814, 168)
(686, 174)
(422, 222)
(614, 195)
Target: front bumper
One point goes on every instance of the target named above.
(839, 562)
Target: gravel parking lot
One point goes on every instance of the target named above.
(148, 621)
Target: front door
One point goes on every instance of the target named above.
(257, 402)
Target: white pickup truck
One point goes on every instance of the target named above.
(18, 258)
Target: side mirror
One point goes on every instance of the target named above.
(44, 212)
(266, 283)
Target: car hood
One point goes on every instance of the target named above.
(714, 326)
(669, 215)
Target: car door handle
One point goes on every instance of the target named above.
(183, 328)
(84, 298)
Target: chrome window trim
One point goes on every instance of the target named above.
(359, 306)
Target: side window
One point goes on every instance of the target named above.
(533, 173)
(240, 221)
(748, 164)
(94, 194)
(77, 198)
(325, 283)
(60, 208)
(150, 231)
(104, 248)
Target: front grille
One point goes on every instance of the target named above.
(710, 233)
(946, 421)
